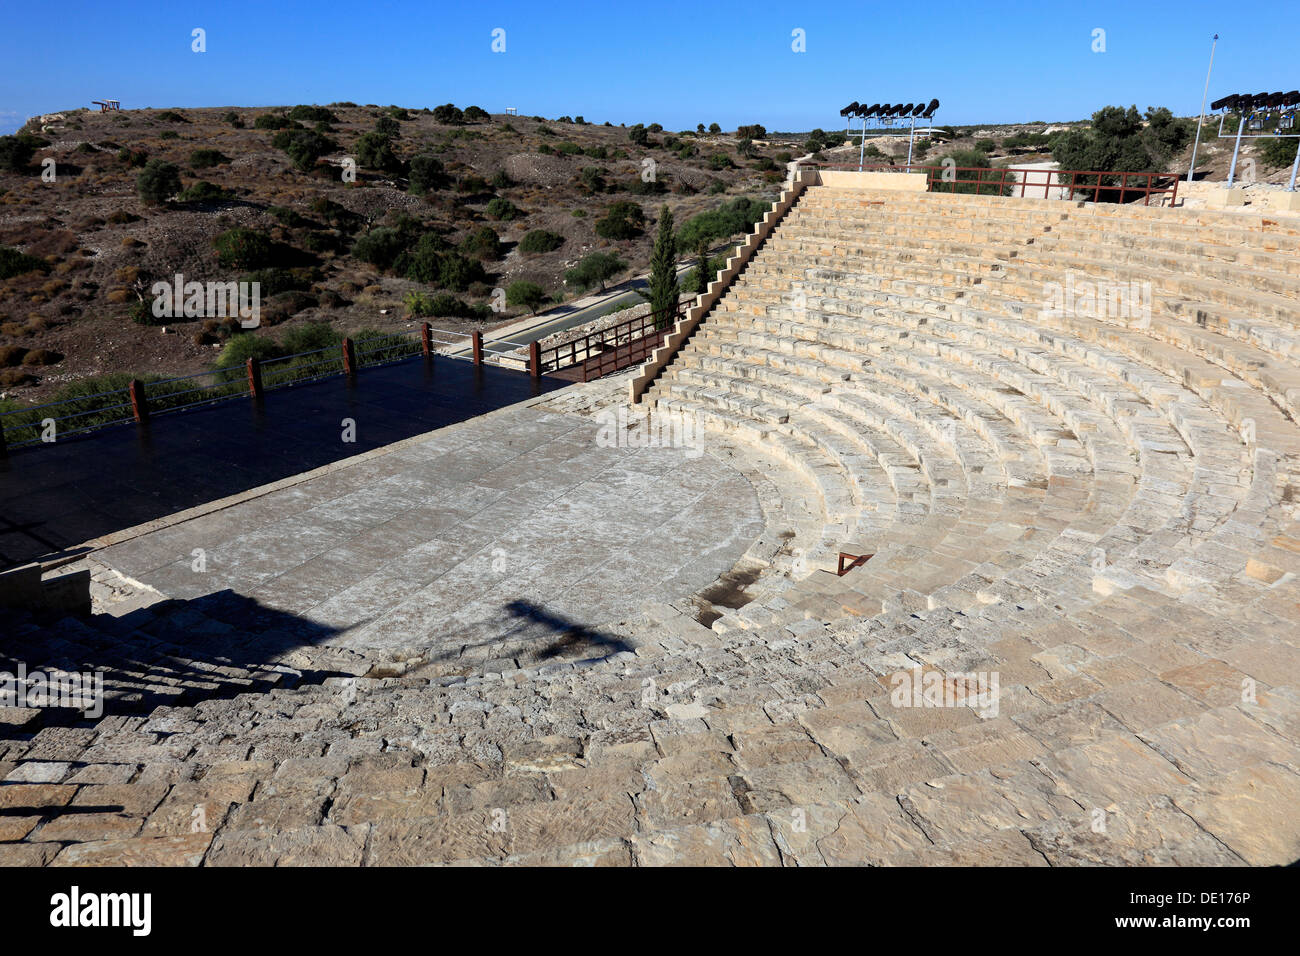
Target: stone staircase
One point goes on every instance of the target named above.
(1096, 509)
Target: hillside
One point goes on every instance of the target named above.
(85, 311)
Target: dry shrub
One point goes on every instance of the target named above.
(38, 357)
(118, 296)
(13, 377)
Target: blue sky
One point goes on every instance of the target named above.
(673, 63)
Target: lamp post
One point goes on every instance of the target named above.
(1201, 121)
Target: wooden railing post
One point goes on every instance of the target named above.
(426, 340)
(349, 359)
(254, 379)
(476, 337)
(535, 359)
(139, 402)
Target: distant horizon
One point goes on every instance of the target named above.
(786, 69)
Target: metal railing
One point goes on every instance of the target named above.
(1023, 182)
(607, 350)
(40, 424)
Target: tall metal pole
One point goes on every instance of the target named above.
(1201, 121)
(910, 139)
(862, 150)
(1241, 126)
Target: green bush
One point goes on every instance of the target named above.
(502, 209)
(273, 121)
(448, 114)
(204, 191)
(475, 114)
(646, 187)
(731, 218)
(16, 152)
(380, 247)
(1278, 152)
(967, 164)
(243, 248)
(427, 174)
(231, 118)
(482, 243)
(1120, 140)
(244, 346)
(313, 114)
(133, 157)
(623, 220)
(433, 262)
(375, 151)
(594, 270)
(274, 281)
(289, 218)
(539, 241)
(206, 158)
(15, 263)
(303, 146)
(472, 185)
(527, 294)
(158, 181)
(715, 265)
(309, 337)
(441, 304)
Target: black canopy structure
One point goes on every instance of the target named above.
(1254, 110)
(886, 114)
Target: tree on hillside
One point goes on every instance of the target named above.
(16, 152)
(594, 269)
(664, 291)
(528, 294)
(375, 151)
(624, 220)
(702, 276)
(449, 114)
(303, 146)
(427, 174)
(1120, 140)
(158, 181)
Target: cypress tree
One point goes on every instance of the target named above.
(664, 290)
(702, 276)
